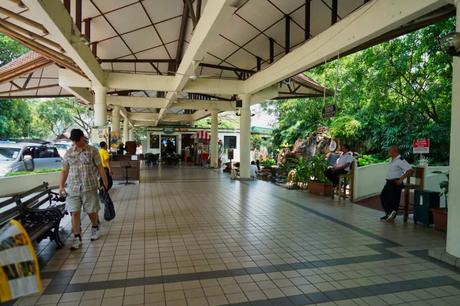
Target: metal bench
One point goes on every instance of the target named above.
(38, 212)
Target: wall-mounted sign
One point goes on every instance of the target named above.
(168, 130)
(421, 146)
(329, 111)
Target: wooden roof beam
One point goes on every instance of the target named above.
(364, 24)
(53, 15)
(23, 20)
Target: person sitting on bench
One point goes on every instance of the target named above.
(342, 166)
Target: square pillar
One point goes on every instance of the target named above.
(100, 106)
(131, 134)
(245, 136)
(453, 221)
(116, 123)
(214, 139)
(125, 130)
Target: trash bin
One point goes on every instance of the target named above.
(423, 202)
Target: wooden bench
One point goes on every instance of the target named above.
(37, 211)
(346, 181)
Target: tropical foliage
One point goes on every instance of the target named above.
(388, 94)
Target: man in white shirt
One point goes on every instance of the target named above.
(253, 170)
(342, 166)
(398, 171)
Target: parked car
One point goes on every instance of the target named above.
(62, 147)
(28, 156)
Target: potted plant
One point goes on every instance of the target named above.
(440, 214)
(301, 173)
(318, 183)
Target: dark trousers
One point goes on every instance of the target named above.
(391, 196)
(333, 175)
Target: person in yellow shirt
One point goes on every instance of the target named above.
(105, 161)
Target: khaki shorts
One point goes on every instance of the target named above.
(88, 199)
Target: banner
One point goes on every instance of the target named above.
(19, 272)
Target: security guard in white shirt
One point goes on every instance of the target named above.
(342, 166)
(398, 171)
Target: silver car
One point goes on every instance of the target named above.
(28, 156)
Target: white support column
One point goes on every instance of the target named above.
(100, 106)
(116, 121)
(125, 130)
(131, 134)
(453, 221)
(245, 136)
(214, 139)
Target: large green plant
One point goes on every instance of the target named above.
(302, 171)
(317, 165)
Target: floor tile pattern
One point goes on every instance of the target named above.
(191, 236)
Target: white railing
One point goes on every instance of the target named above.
(17, 184)
(369, 180)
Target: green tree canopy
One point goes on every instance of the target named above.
(388, 94)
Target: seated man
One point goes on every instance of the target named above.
(342, 166)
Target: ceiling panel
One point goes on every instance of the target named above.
(242, 59)
(160, 10)
(112, 48)
(142, 39)
(240, 31)
(88, 10)
(128, 19)
(105, 5)
(287, 6)
(221, 47)
(100, 29)
(321, 17)
(169, 30)
(158, 52)
(260, 13)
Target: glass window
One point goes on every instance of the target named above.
(62, 146)
(230, 142)
(154, 141)
(9, 153)
(45, 152)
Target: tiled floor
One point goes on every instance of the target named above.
(192, 236)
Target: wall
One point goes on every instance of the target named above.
(21, 183)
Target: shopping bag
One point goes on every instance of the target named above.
(109, 209)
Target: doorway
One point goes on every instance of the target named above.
(168, 144)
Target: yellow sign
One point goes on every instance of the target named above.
(19, 271)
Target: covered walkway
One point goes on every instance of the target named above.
(188, 236)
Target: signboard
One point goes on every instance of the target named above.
(19, 272)
(329, 110)
(421, 146)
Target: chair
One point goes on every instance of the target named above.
(345, 188)
(418, 175)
